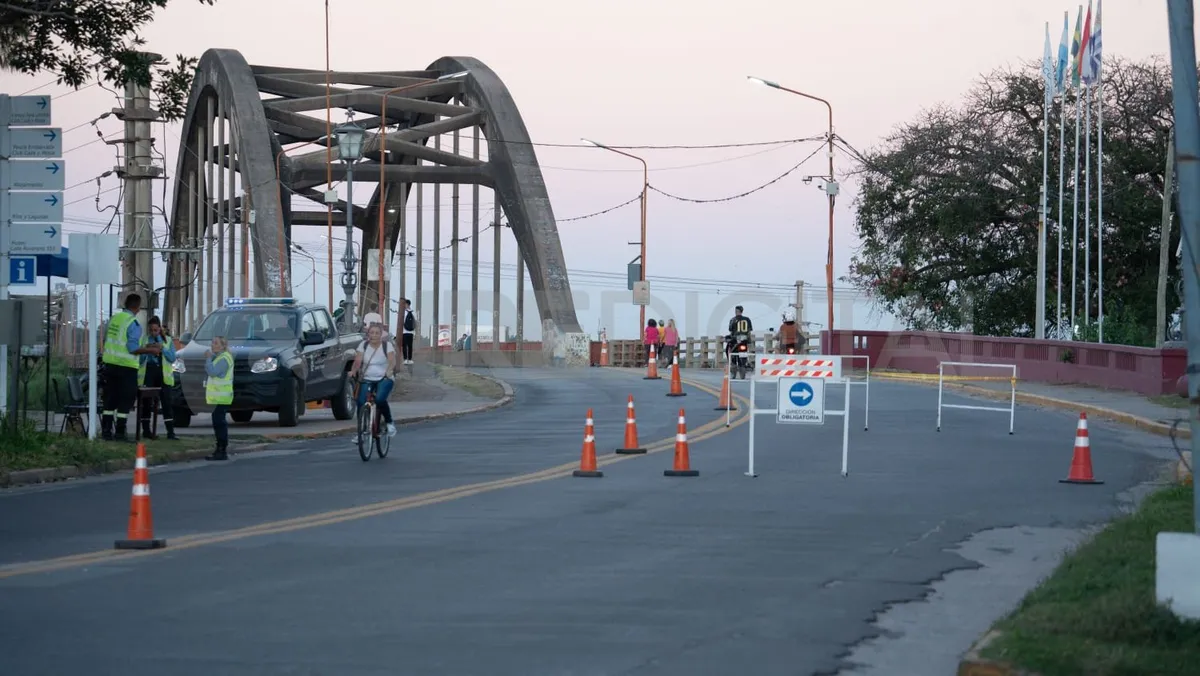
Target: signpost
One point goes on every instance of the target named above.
(801, 400)
(32, 178)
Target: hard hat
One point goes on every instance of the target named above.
(789, 315)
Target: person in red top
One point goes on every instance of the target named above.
(651, 338)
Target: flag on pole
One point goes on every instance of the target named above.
(1095, 47)
(1076, 45)
(1048, 68)
(1060, 77)
(1085, 59)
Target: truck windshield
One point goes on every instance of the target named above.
(249, 324)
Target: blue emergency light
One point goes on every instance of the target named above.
(259, 301)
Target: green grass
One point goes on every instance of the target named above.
(1097, 613)
(1170, 400)
(469, 382)
(32, 449)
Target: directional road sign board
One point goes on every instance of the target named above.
(35, 238)
(801, 400)
(37, 175)
(22, 271)
(35, 207)
(29, 142)
(29, 111)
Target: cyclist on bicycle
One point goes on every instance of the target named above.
(376, 359)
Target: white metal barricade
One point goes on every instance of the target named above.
(867, 383)
(1011, 410)
(800, 399)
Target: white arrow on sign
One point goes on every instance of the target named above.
(35, 207)
(37, 175)
(804, 395)
(35, 238)
(31, 142)
(28, 111)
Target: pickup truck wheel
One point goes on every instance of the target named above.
(241, 416)
(291, 403)
(343, 401)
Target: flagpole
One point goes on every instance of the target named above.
(1100, 210)
(1044, 208)
(1062, 160)
(1087, 207)
(1075, 218)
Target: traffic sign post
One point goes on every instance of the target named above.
(32, 179)
(800, 398)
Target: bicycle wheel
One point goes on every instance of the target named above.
(383, 442)
(364, 430)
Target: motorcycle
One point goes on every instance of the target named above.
(738, 348)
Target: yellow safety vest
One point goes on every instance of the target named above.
(116, 352)
(168, 368)
(219, 390)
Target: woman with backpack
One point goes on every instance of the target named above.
(376, 360)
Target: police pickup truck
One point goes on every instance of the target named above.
(285, 354)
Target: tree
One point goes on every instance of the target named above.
(81, 40)
(947, 211)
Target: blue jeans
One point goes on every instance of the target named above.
(382, 389)
(220, 424)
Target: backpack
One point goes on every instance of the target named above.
(410, 323)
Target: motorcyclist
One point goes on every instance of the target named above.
(740, 328)
(740, 322)
(789, 333)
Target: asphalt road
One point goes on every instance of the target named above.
(387, 568)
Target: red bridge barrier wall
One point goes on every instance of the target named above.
(1138, 369)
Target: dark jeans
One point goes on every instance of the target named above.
(120, 395)
(221, 424)
(382, 389)
(154, 378)
(406, 346)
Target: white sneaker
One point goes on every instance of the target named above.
(391, 430)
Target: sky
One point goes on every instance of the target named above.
(636, 72)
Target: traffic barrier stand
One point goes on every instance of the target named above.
(140, 533)
(867, 383)
(683, 462)
(800, 398)
(1081, 460)
(1011, 410)
(676, 384)
(631, 437)
(587, 459)
(652, 367)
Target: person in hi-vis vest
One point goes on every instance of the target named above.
(123, 349)
(218, 392)
(158, 371)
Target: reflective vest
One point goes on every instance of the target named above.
(116, 351)
(219, 390)
(168, 368)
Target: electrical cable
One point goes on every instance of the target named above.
(742, 194)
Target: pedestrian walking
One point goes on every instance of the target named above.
(123, 349)
(409, 332)
(158, 370)
(670, 340)
(651, 338)
(218, 392)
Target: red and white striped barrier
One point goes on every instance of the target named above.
(774, 367)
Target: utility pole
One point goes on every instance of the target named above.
(1164, 244)
(799, 305)
(138, 172)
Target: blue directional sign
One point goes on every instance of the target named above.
(29, 111)
(801, 400)
(37, 175)
(30, 142)
(22, 271)
(35, 238)
(35, 207)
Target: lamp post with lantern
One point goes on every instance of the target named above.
(350, 138)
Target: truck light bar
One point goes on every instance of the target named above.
(260, 301)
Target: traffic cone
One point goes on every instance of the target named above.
(140, 534)
(587, 460)
(676, 384)
(1081, 462)
(725, 403)
(631, 441)
(652, 367)
(683, 464)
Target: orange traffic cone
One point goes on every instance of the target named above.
(1081, 462)
(587, 460)
(140, 534)
(683, 463)
(652, 367)
(725, 403)
(631, 441)
(676, 384)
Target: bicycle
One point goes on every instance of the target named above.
(369, 421)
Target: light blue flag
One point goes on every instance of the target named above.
(1060, 78)
(1094, 52)
(1048, 68)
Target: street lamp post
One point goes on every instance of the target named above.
(642, 253)
(831, 189)
(350, 146)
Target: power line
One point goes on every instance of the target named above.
(742, 194)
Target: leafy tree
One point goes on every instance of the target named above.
(947, 211)
(81, 40)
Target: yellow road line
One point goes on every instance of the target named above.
(705, 431)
